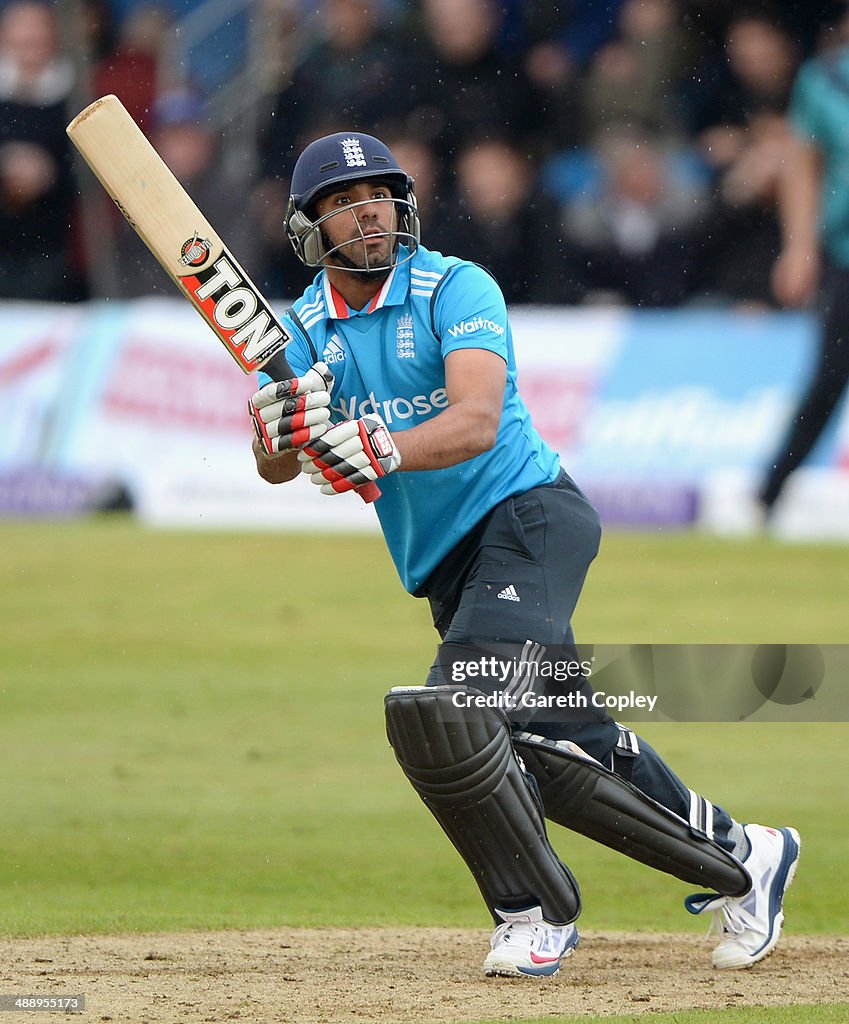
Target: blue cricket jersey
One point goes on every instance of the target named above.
(389, 358)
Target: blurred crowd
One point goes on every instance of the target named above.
(616, 151)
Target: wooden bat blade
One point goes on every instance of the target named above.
(169, 223)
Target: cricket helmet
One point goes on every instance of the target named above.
(335, 161)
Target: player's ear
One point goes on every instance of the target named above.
(305, 239)
(408, 212)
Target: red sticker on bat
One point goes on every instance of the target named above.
(237, 312)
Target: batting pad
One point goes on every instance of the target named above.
(586, 797)
(462, 765)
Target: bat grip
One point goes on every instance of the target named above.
(369, 492)
(278, 368)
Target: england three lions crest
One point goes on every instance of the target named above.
(405, 338)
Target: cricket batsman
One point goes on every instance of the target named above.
(405, 375)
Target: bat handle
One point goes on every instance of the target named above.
(369, 492)
(279, 369)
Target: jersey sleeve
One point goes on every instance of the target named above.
(470, 312)
(297, 353)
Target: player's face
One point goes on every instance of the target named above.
(361, 219)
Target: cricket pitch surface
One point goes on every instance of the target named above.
(399, 975)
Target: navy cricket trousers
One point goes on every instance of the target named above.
(517, 577)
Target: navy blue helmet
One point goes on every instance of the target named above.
(333, 162)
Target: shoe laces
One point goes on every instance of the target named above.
(502, 931)
(726, 919)
(729, 916)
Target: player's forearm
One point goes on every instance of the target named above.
(799, 197)
(457, 434)
(276, 469)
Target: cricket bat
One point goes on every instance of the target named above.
(169, 223)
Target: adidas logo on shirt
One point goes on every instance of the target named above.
(333, 352)
(509, 594)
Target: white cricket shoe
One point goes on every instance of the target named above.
(526, 945)
(750, 925)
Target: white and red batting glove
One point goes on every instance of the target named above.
(350, 454)
(289, 413)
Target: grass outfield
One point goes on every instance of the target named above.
(191, 730)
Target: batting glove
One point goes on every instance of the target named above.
(350, 454)
(289, 413)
